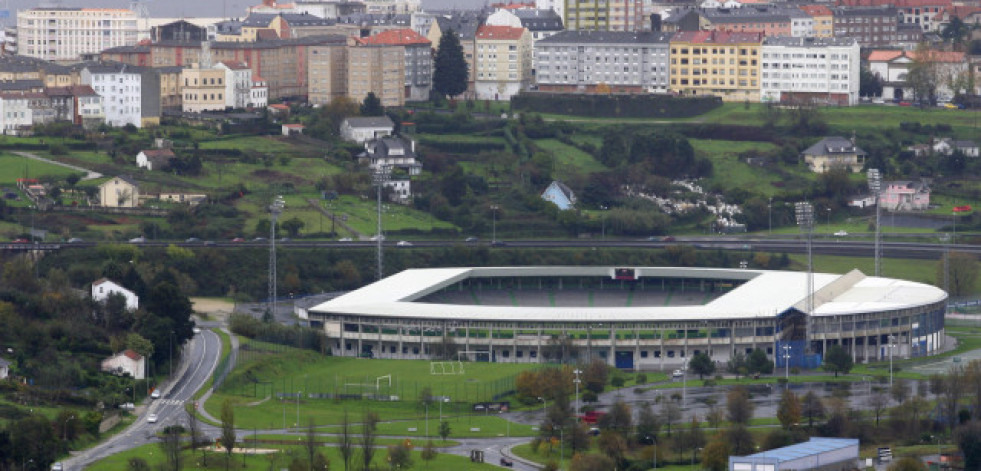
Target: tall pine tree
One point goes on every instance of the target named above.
(450, 77)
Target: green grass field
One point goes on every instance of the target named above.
(569, 160)
(153, 454)
(13, 167)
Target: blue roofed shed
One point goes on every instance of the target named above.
(824, 454)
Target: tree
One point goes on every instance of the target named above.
(613, 445)
(596, 375)
(670, 413)
(584, 462)
(789, 410)
(450, 74)
(444, 430)
(900, 390)
(428, 453)
(310, 442)
(961, 273)
(739, 406)
(737, 364)
(877, 402)
(969, 440)
(400, 456)
(869, 84)
(907, 463)
(715, 456)
(227, 430)
(618, 418)
(194, 430)
(922, 74)
(837, 360)
(292, 226)
(170, 444)
(345, 443)
(372, 105)
(369, 425)
(758, 362)
(702, 365)
(648, 425)
(812, 408)
(137, 464)
(954, 386)
(740, 440)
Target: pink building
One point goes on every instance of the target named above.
(905, 196)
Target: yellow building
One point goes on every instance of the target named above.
(379, 69)
(503, 62)
(120, 192)
(203, 89)
(716, 63)
(824, 20)
(326, 72)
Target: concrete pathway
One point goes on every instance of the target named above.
(89, 174)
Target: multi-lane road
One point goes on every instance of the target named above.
(200, 357)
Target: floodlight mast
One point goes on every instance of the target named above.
(875, 187)
(275, 209)
(380, 178)
(804, 212)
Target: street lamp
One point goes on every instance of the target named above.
(544, 407)
(298, 394)
(654, 447)
(684, 384)
(769, 216)
(693, 451)
(892, 345)
(171, 354)
(275, 209)
(786, 362)
(64, 430)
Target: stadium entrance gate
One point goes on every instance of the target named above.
(625, 360)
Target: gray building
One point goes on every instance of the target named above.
(603, 61)
(870, 26)
(823, 454)
(541, 23)
(418, 60)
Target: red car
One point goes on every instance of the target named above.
(20, 241)
(238, 239)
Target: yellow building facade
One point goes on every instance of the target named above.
(707, 63)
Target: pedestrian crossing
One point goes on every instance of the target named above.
(170, 402)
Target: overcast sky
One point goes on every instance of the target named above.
(189, 8)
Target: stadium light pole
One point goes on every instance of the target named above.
(380, 178)
(875, 187)
(577, 372)
(275, 209)
(494, 209)
(805, 219)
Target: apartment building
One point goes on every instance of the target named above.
(418, 60)
(283, 25)
(870, 26)
(922, 13)
(766, 19)
(203, 89)
(170, 87)
(603, 61)
(604, 15)
(822, 19)
(238, 83)
(259, 93)
(66, 34)
(378, 69)
(327, 72)
(465, 26)
(121, 89)
(320, 8)
(812, 70)
(504, 64)
(16, 112)
(716, 63)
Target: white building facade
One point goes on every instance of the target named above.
(16, 114)
(65, 34)
(238, 84)
(824, 70)
(121, 90)
(101, 290)
(573, 61)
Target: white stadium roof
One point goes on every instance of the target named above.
(763, 294)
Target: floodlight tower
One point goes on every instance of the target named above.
(805, 219)
(380, 178)
(875, 187)
(275, 209)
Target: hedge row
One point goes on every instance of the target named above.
(614, 106)
(461, 146)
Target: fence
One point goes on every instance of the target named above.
(225, 366)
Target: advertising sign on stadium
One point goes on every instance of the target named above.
(624, 274)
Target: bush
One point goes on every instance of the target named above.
(641, 378)
(627, 106)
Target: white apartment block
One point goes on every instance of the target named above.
(823, 70)
(65, 34)
(503, 62)
(121, 88)
(16, 114)
(259, 94)
(573, 61)
(238, 84)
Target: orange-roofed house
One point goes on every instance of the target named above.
(824, 20)
(970, 15)
(503, 62)
(126, 362)
(716, 63)
(892, 66)
(418, 60)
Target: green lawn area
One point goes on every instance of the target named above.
(266, 371)
(275, 145)
(569, 160)
(13, 167)
(923, 271)
(153, 454)
(730, 172)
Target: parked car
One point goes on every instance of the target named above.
(151, 419)
(678, 373)
(57, 467)
(506, 462)
(155, 394)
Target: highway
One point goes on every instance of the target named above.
(927, 246)
(200, 357)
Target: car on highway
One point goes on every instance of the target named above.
(20, 241)
(192, 240)
(151, 419)
(196, 330)
(841, 234)
(238, 239)
(57, 467)
(404, 243)
(345, 239)
(155, 394)
(375, 238)
(498, 243)
(75, 240)
(471, 239)
(137, 240)
(259, 239)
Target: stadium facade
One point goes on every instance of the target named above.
(648, 318)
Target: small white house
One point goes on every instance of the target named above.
(102, 288)
(126, 362)
(292, 129)
(154, 159)
(4, 368)
(362, 129)
(560, 194)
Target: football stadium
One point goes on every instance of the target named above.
(644, 318)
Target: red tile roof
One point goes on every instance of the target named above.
(935, 56)
(132, 355)
(235, 65)
(397, 37)
(158, 153)
(513, 6)
(716, 37)
(499, 32)
(960, 11)
(816, 10)
(880, 56)
(895, 3)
